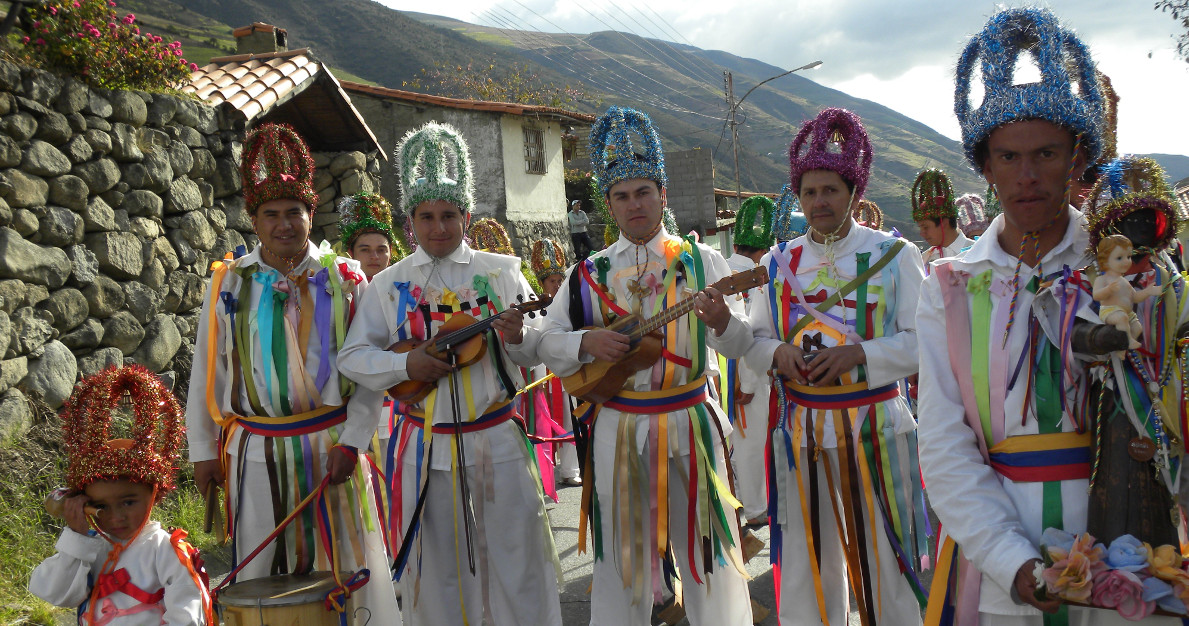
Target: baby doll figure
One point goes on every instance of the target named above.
(1113, 291)
(113, 562)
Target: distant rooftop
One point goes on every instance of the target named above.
(511, 108)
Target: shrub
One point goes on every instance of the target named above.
(88, 39)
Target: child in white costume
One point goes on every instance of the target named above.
(114, 563)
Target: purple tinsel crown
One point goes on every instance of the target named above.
(811, 149)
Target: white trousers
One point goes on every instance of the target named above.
(747, 456)
(254, 522)
(567, 456)
(514, 582)
(896, 605)
(723, 599)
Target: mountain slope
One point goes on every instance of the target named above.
(680, 86)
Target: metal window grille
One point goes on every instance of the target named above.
(534, 151)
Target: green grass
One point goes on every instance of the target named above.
(32, 466)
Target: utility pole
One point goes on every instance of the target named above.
(732, 108)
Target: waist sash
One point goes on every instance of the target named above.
(320, 418)
(1043, 458)
(496, 414)
(661, 401)
(840, 396)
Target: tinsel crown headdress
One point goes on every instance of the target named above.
(868, 214)
(364, 213)
(1063, 61)
(835, 140)
(1110, 120)
(932, 196)
(753, 223)
(151, 453)
(425, 157)
(1127, 185)
(547, 258)
(971, 217)
(613, 155)
(788, 222)
(277, 165)
(490, 236)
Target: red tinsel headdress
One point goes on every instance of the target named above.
(277, 164)
(150, 455)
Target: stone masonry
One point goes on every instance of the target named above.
(112, 207)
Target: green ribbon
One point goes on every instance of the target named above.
(980, 341)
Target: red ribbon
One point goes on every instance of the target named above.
(119, 580)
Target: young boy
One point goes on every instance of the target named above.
(114, 563)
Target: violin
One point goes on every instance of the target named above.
(460, 341)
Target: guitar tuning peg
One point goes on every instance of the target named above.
(532, 314)
(544, 312)
(520, 297)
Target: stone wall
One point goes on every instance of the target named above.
(112, 207)
(691, 188)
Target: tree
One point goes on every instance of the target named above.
(491, 81)
(1180, 12)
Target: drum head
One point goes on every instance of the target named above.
(287, 590)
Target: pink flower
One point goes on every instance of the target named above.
(111, 25)
(111, 3)
(128, 19)
(1071, 578)
(193, 67)
(76, 4)
(37, 24)
(40, 41)
(136, 30)
(1123, 591)
(53, 10)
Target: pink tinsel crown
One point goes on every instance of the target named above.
(811, 149)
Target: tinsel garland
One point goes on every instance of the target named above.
(811, 149)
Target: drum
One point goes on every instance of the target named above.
(290, 600)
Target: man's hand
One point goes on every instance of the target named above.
(511, 326)
(711, 308)
(206, 472)
(341, 464)
(74, 509)
(1025, 585)
(420, 365)
(829, 364)
(789, 360)
(605, 345)
(744, 398)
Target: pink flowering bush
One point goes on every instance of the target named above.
(90, 40)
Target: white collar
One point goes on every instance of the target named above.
(462, 255)
(986, 248)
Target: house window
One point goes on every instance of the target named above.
(534, 151)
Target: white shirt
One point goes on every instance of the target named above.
(960, 243)
(64, 579)
(202, 430)
(996, 522)
(560, 345)
(365, 357)
(749, 380)
(889, 358)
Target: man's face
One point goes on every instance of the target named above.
(637, 205)
(439, 226)
(373, 253)
(933, 234)
(825, 200)
(283, 226)
(1029, 163)
(551, 284)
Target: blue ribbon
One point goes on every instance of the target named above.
(406, 302)
(264, 313)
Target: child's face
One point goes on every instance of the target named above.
(122, 506)
(1119, 260)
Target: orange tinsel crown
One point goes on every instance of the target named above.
(150, 455)
(277, 164)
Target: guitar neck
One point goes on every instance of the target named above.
(670, 314)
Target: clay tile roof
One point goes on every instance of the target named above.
(255, 84)
(511, 108)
